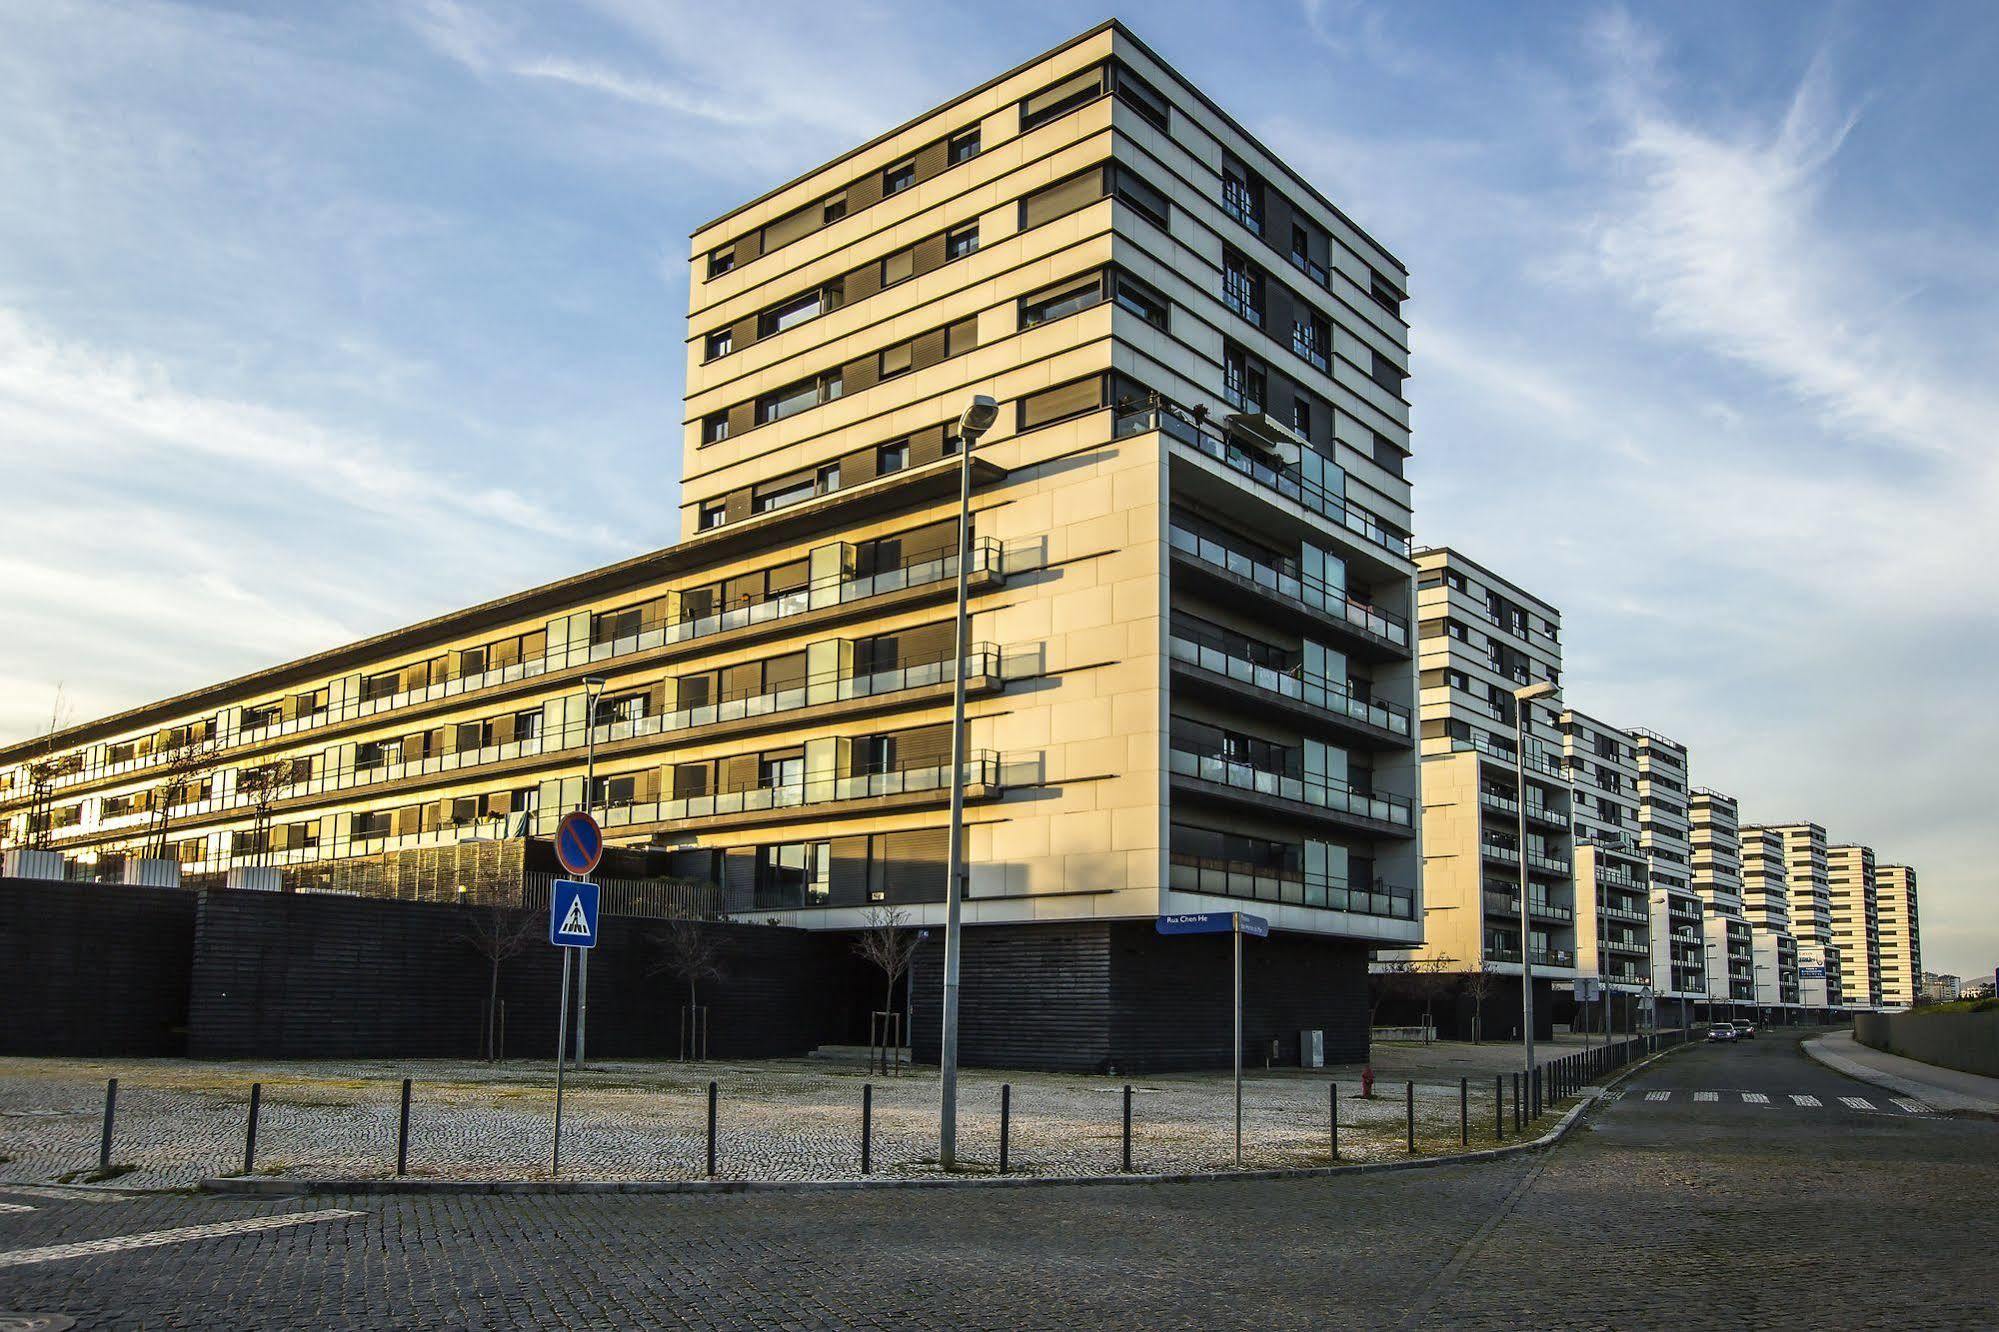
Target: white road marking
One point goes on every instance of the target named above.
(1912, 1107)
(1755, 1098)
(1856, 1102)
(1811, 1101)
(1707, 1096)
(1659, 1096)
(15, 1207)
(153, 1238)
(64, 1195)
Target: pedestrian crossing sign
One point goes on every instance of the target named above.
(572, 914)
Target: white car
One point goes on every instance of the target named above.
(1721, 1031)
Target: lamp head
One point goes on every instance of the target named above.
(978, 418)
(1539, 689)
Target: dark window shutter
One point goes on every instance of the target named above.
(911, 865)
(961, 337)
(858, 466)
(929, 349)
(742, 418)
(736, 505)
(926, 446)
(930, 253)
(792, 226)
(744, 333)
(931, 158)
(749, 247)
(738, 772)
(925, 747)
(863, 282)
(849, 885)
(867, 190)
(861, 374)
(1062, 198)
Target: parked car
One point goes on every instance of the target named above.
(1744, 1030)
(1721, 1031)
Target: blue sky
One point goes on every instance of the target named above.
(319, 319)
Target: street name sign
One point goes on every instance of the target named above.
(1212, 922)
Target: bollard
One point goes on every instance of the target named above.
(867, 1125)
(403, 1133)
(1409, 1112)
(1464, 1112)
(1127, 1128)
(711, 1130)
(1499, 1107)
(1333, 1111)
(1006, 1118)
(250, 1128)
(1518, 1124)
(110, 1113)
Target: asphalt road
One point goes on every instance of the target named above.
(1801, 1209)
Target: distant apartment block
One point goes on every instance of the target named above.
(1851, 890)
(1901, 935)
(1766, 901)
(1820, 979)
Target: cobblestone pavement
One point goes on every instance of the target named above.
(1669, 1213)
(178, 1121)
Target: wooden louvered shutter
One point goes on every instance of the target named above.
(928, 349)
(862, 374)
(929, 254)
(738, 772)
(742, 418)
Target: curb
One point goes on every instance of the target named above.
(1941, 1099)
(293, 1188)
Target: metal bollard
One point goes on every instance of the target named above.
(1006, 1120)
(1333, 1111)
(250, 1128)
(867, 1126)
(1499, 1107)
(1464, 1112)
(110, 1113)
(1518, 1123)
(403, 1133)
(711, 1130)
(1127, 1128)
(1409, 1112)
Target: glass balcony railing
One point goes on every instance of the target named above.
(1509, 906)
(1258, 883)
(1543, 957)
(1323, 792)
(1484, 744)
(1292, 682)
(1287, 580)
(1289, 482)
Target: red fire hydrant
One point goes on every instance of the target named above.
(1367, 1082)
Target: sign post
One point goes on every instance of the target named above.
(1237, 924)
(572, 925)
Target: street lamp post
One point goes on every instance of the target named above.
(593, 689)
(1522, 696)
(978, 418)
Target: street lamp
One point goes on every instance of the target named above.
(978, 418)
(593, 689)
(1522, 696)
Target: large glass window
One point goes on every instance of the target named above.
(1061, 98)
(797, 311)
(1064, 298)
(794, 874)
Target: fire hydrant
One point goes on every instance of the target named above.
(1367, 1082)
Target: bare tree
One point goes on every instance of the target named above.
(42, 773)
(1385, 978)
(260, 785)
(498, 932)
(1429, 980)
(1478, 983)
(690, 949)
(184, 762)
(887, 944)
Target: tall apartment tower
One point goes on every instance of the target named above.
(1714, 837)
(1626, 934)
(1820, 980)
(1856, 922)
(1480, 639)
(1766, 901)
(1190, 663)
(1901, 935)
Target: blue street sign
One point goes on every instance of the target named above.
(1211, 922)
(572, 914)
(579, 842)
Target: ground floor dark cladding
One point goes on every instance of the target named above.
(1451, 1002)
(1117, 996)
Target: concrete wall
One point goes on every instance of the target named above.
(1968, 1042)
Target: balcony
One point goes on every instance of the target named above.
(1620, 913)
(1290, 685)
(1543, 957)
(1631, 947)
(1536, 861)
(1257, 883)
(1286, 583)
(1210, 774)
(1501, 904)
(1286, 481)
(1481, 743)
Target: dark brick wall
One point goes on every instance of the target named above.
(94, 968)
(309, 976)
(1091, 997)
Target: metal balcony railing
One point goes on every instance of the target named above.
(1323, 792)
(1291, 681)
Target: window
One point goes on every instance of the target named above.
(1129, 189)
(795, 398)
(1140, 96)
(1386, 296)
(1387, 374)
(898, 266)
(827, 478)
(1242, 287)
(892, 457)
(1242, 195)
(1243, 379)
(1062, 402)
(1301, 415)
(1139, 299)
(715, 429)
(721, 261)
(898, 178)
(1062, 198)
(1312, 338)
(1061, 98)
(712, 515)
(721, 344)
(963, 147)
(1063, 299)
(959, 243)
(795, 311)
(794, 874)
(835, 208)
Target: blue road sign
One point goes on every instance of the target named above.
(579, 842)
(1211, 922)
(572, 914)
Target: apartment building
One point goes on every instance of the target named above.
(1766, 901)
(1190, 666)
(1901, 935)
(1820, 982)
(1716, 839)
(1856, 930)
(1665, 832)
(1482, 638)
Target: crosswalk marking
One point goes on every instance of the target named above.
(1812, 1101)
(15, 1207)
(1912, 1107)
(1707, 1096)
(1856, 1102)
(1659, 1096)
(1755, 1098)
(152, 1238)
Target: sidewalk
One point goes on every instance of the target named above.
(1943, 1088)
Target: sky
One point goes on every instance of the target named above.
(320, 319)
